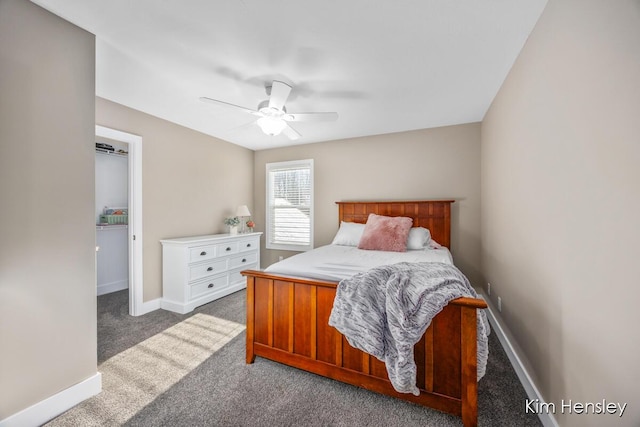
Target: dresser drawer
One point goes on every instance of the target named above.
(243, 260)
(210, 268)
(201, 253)
(208, 286)
(250, 244)
(228, 248)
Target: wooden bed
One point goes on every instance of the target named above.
(287, 321)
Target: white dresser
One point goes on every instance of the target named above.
(197, 270)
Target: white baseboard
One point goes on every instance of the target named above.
(176, 307)
(107, 288)
(55, 405)
(547, 419)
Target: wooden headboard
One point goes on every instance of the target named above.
(432, 214)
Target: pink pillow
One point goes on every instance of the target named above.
(385, 233)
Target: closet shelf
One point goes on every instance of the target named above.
(111, 153)
(110, 227)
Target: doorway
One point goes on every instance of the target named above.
(111, 215)
(134, 229)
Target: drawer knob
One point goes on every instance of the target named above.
(210, 285)
(203, 253)
(228, 249)
(248, 245)
(244, 260)
(210, 269)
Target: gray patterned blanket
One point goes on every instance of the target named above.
(386, 310)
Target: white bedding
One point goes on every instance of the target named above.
(336, 262)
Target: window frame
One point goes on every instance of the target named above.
(279, 166)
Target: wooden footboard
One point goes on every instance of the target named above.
(287, 321)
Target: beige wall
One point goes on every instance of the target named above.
(424, 164)
(190, 182)
(560, 204)
(47, 232)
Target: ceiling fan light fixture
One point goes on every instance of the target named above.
(271, 126)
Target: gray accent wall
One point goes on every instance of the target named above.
(47, 231)
(560, 205)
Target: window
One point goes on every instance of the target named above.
(290, 205)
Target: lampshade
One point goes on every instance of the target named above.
(243, 210)
(271, 125)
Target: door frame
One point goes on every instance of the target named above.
(136, 288)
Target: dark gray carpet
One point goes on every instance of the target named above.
(224, 391)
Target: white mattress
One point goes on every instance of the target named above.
(336, 262)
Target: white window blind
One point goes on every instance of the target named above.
(290, 205)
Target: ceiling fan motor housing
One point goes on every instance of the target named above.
(264, 108)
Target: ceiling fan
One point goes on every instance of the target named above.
(273, 117)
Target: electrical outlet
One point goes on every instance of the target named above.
(488, 288)
(500, 304)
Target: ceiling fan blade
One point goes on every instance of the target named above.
(310, 117)
(227, 104)
(291, 133)
(279, 93)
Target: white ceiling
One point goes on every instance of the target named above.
(384, 66)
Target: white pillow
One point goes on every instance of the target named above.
(419, 238)
(348, 234)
